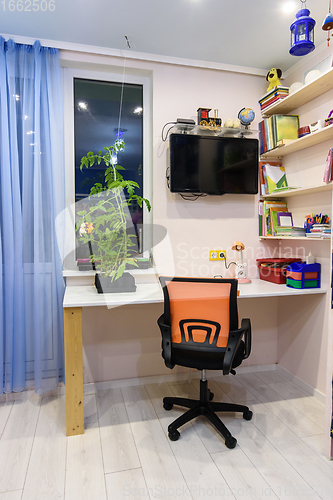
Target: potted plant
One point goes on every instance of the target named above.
(103, 225)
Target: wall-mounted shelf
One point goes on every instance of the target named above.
(307, 141)
(298, 191)
(213, 131)
(293, 238)
(305, 94)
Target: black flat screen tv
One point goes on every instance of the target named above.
(202, 164)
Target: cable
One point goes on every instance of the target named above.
(227, 266)
(192, 197)
(122, 91)
(167, 176)
(168, 123)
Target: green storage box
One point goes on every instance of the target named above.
(298, 283)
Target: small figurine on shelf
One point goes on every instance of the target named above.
(204, 120)
(273, 78)
(203, 115)
(229, 123)
(329, 119)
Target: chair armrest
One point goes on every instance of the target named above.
(246, 325)
(235, 337)
(166, 341)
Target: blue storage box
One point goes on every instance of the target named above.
(303, 275)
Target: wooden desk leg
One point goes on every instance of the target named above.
(73, 371)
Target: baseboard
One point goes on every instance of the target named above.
(301, 384)
(91, 388)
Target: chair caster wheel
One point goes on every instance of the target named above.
(174, 435)
(247, 415)
(211, 395)
(167, 406)
(230, 442)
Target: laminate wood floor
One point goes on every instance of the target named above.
(125, 452)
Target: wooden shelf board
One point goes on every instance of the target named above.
(305, 94)
(292, 238)
(322, 135)
(299, 191)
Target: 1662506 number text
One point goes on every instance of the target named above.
(28, 5)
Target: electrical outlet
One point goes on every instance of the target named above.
(221, 255)
(213, 255)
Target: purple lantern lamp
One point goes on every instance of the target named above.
(302, 33)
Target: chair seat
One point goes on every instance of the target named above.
(204, 359)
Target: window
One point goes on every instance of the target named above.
(92, 107)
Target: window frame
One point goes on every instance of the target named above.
(68, 91)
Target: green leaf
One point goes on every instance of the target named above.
(148, 205)
(121, 270)
(85, 162)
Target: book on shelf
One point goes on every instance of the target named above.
(274, 217)
(277, 128)
(298, 231)
(285, 127)
(270, 102)
(282, 189)
(261, 217)
(273, 96)
(267, 205)
(320, 230)
(314, 235)
(283, 142)
(279, 89)
(274, 176)
(293, 231)
(328, 174)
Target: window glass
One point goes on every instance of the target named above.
(97, 108)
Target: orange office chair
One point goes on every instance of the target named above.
(199, 330)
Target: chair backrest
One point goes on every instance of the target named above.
(200, 310)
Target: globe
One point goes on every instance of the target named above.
(246, 116)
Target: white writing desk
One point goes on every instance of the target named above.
(77, 297)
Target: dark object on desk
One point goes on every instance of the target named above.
(274, 270)
(125, 283)
(199, 330)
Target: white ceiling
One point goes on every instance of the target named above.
(251, 33)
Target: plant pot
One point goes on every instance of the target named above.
(125, 283)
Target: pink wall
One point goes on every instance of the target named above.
(125, 342)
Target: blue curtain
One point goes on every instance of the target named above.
(31, 197)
